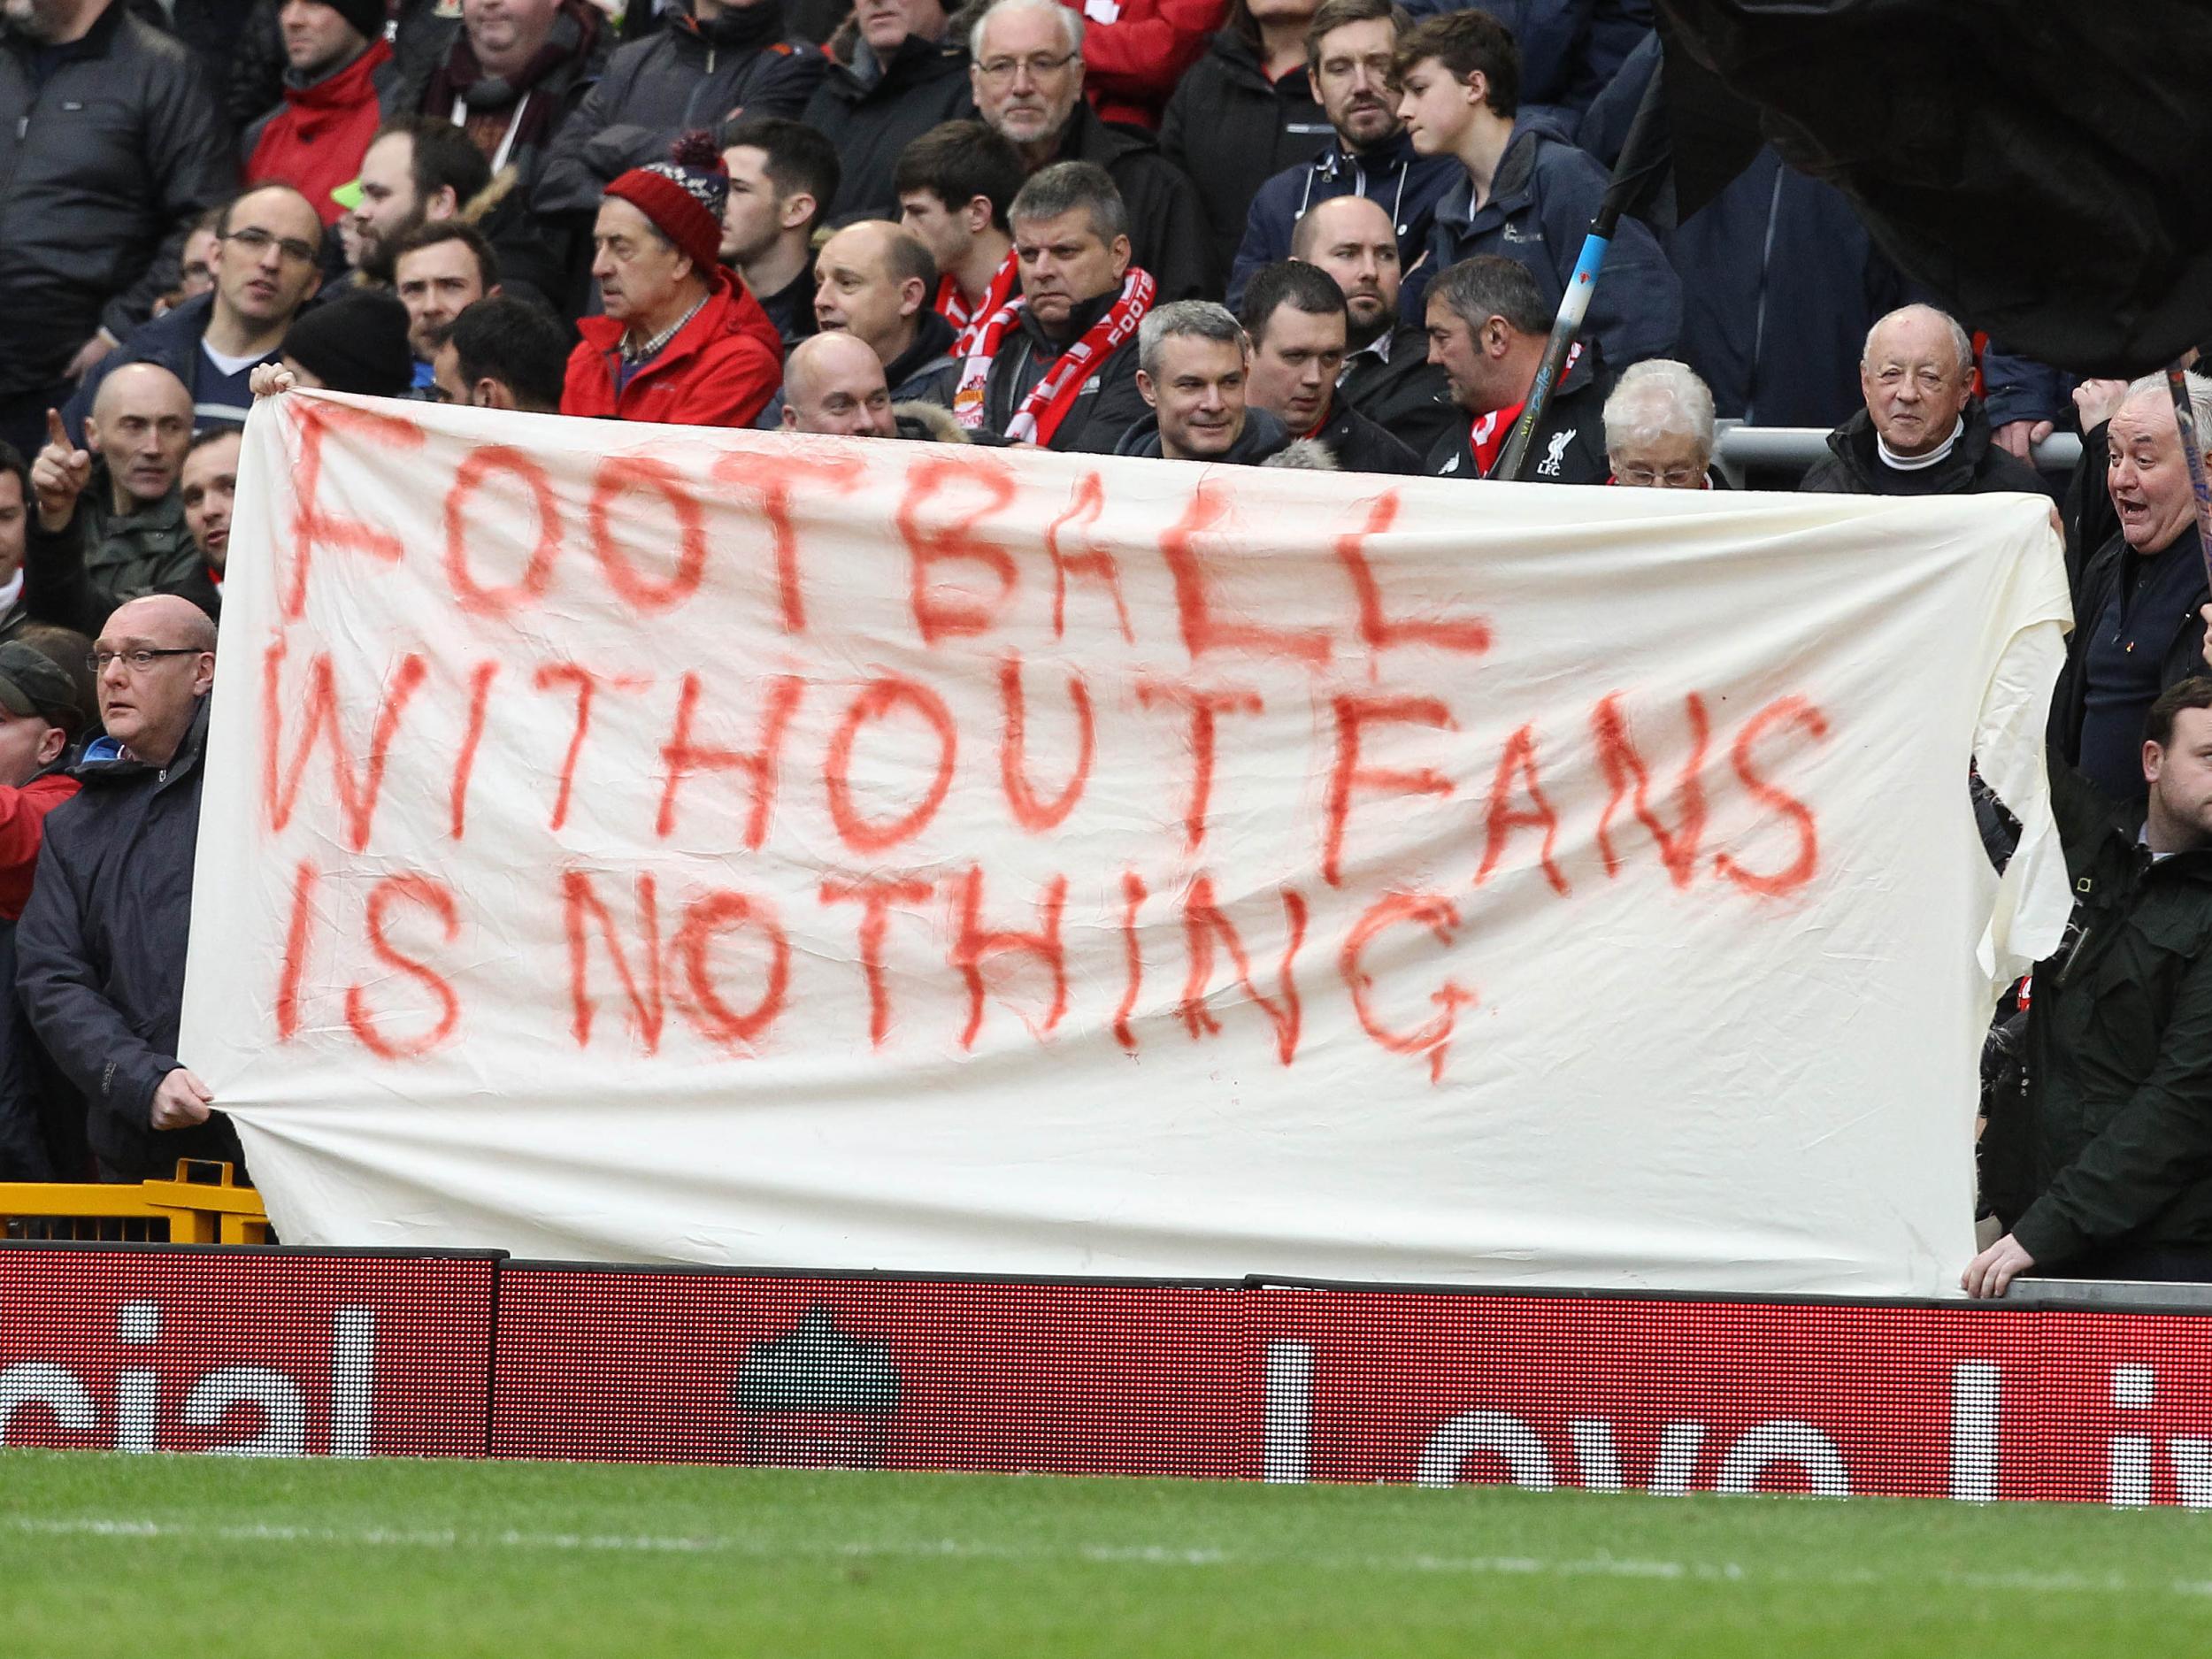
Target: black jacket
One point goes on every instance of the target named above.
(1263, 437)
(100, 951)
(1167, 227)
(1230, 130)
(872, 114)
(1975, 467)
(1359, 445)
(1107, 406)
(1568, 446)
(119, 148)
(665, 85)
(2113, 1145)
(75, 577)
(1404, 185)
(2182, 658)
(1406, 396)
(926, 372)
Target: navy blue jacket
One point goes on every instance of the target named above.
(1406, 185)
(1540, 205)
(173, 340)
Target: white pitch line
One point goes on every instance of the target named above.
(1601, 1565)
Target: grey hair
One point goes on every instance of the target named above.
(1962, 343)
(1070, 22)
(1067, 185)
(2200, 397)
(1657, 397)
(1200, 320)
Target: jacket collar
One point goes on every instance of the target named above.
(604, 333)
(1079, 321)
(104, 762)
(1509, 189)
(342, 87)
(1853, 443)
(932, 340)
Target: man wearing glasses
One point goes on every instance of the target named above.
(100, 950)
(1026, 73)
(268, 242)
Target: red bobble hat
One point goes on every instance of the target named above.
(683, 196)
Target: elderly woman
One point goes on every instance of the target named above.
(1659, 427)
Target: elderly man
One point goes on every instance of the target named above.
(100, 951)
(1349, 47)
(782, 175)
(439, 270)
(895, 75)
(680, 342)
(875, 281)
(503, 353)
(1294, 315)
(955, 185)
(1056, 365)
(109, 144)
(1386, 375)
(267, 242)
(1487, 328)
(2137, 628)
(1192, 357)
(1028, 78)
(111, 508)
(1923, 431)
(1522, 193)
(338, 77)
(1659, 427)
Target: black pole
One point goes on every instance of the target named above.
(2192, 455)
(1643, 153)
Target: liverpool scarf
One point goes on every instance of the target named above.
(1038, 415)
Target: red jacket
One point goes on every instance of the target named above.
(22, 827)
(720, 370)
(1131, 64)
(316, 142)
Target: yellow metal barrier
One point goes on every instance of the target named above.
(202, 1204)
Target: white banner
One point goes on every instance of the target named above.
(649, 844)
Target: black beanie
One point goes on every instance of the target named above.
(366, 16)
(355, 344)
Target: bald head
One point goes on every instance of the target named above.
(874, 280)
(833, 384)
(142, 423)
(1916, 374)
(1352, 239)
(149, 709)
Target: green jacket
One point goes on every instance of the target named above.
(2118, 1127)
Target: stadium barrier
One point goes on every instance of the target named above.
(354, 1353)
(203, 1204)
(1739, 451)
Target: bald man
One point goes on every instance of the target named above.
(109, 520)
(833, 386)
(1386, 375)
(877, 282)
(100, 950)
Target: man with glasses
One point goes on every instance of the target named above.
(100, 950)
(268, 245)
(1028, 78)
(1349, 46)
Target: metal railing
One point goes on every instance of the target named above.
(203, 1204)
(1737, 449)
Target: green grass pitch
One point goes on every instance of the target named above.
(119, 1557)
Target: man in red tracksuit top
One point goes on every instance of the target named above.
(682, 343)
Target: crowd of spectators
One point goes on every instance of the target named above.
(1322, 233)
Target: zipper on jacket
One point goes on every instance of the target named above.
(2075, 955)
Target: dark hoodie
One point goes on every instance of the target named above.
(1263, 437)
(926, 372)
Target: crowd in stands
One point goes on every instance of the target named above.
(1321, 233)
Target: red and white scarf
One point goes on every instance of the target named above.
(967, 320)
(1040, 413)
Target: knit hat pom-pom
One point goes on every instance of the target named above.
(697, 150)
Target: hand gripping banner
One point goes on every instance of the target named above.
(649, 844)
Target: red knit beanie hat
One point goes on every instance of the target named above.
(683, 196)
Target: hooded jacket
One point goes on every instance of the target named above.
(1404, 185)
(116, 148)
(872, 111)
(1106, 407)
(1975, 467)
(315, 140)
(720, 370)
(688, 76)
(1261, 438)
(2114, 1137)
(926, 372)
(1540, 205)
(1569, 443)
(1167, 227)
(1231, 129)
(100, 950)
